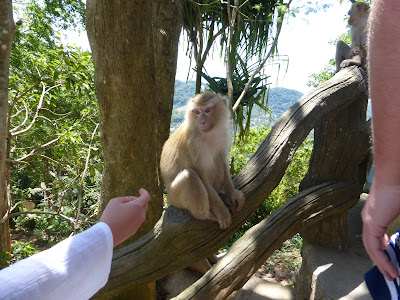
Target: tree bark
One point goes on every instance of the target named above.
(121, 38)
(134, 46)
(7, 30)
(167, 16)
(183, 240)
(249, 252)
(341, 143)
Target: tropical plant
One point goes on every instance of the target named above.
(257, 94)
(244, 29)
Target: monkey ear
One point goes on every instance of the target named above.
(226, 100)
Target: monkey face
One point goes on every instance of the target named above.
(207, 112)
(204, 117)
(358, 12)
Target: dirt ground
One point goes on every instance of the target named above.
(282, 266)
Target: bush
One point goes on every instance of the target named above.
(20, 250)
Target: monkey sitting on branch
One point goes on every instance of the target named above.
(356, 54)
(194, 161)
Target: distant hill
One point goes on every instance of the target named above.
(279, 100)
(183, 92)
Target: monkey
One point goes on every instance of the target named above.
(194, 161)
(356, 54)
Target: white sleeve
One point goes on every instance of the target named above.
(75, 268)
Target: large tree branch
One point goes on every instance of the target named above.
(253, 249)
(182, 240)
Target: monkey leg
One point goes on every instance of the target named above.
(201, 266)
(237, 199)
(343, 52)
(205, 264)
(219, 209)
(187, 191)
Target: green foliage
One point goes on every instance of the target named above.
(289, 185)
(5, 259)
(21, 250)
(327, 73)
(244, 148)
(52, 100)
(62, 14)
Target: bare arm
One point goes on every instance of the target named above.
(79, 266)
(383, 204)
(124, 215)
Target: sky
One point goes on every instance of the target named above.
(304, 42)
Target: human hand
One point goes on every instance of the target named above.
(124, 215)
(381, 208)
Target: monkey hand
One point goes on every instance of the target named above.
(236, 201)
(221, 214)
(346, 63)
(225, 221)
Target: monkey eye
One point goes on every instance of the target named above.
(197, 111)
(207, 110)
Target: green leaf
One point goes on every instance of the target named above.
(56, 74)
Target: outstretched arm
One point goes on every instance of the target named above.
(383, 204)
(77, 267)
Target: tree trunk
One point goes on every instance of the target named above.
(7, 30)
(134, 47)
(167, 16)
(341, 143)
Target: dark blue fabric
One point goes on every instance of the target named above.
(377, 285)
(374, 279)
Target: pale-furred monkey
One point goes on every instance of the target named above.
(356, 54)
(194, 161)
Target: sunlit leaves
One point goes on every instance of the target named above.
(42, 68)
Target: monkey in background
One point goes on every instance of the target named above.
(194, 161)
(356, 54)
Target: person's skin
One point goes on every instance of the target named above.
(124, 215)
(383, 204)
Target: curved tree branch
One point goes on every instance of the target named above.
(249, 252)
(183, 240)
